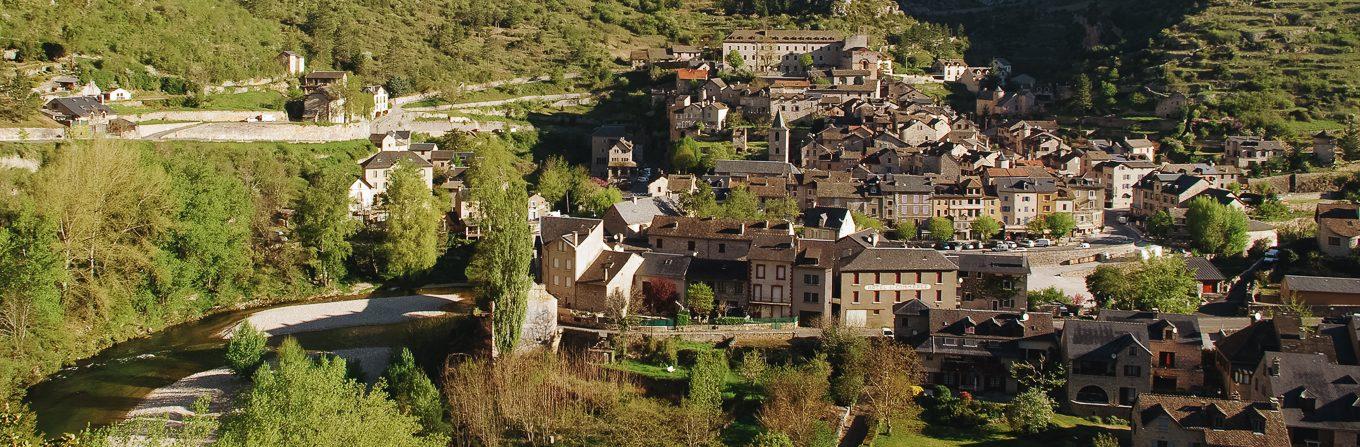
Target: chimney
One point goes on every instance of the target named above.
(873, 239)
(1275, 367)
(635, 200)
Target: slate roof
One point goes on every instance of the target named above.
(644, 209)
(1100, 339)
(1198, 414)
(714, 228)
(1244, 348)
(990, 263)
(387, 159)
(78, 106)
(606, 266)
(1322, 284)
(753, 167)
(773, 248)
(1204, 270)
(1314, 392)
(778, 35)
(825, 217)
(1339, 217)
(553, 228)
(664, 264)
(1186, 326)
(897, 259)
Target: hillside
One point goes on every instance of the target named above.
(412, 45)
(1298, 57)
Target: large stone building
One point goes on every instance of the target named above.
(876, 280)
(1338, 228)
(972, 350)
(1164, 420)
(782, 51)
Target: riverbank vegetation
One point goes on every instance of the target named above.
(109, 240)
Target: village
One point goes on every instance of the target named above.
(791, 180)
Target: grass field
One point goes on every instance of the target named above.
(1068, 430)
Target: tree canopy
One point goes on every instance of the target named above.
(1216, 228)
(1162, 283)
(500, 263)
(410, 240)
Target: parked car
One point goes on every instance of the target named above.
(1001, 247)
(1043, 243)
(1011, 245)
(1084, 245)
(1026, 243)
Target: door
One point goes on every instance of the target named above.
(855, 318)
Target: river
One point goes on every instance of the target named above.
(100, 390)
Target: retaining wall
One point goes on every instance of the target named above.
(289, 132)
(32, 133)
(208, 115)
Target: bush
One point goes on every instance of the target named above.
(660, 351)
(1030, 412)
(682, 319)
(245, 351)
(961, 412)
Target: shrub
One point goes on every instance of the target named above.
(245, 351)
(1030, 412)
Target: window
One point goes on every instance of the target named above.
(722, 248)
(779, 272)
(690, 244)
(810, 297)
(949, 341)
(659, 243)
(810, 279)
(777, 293)
(760, 271)
(1132, 371)
(876, 297)
(939, 296)
(939, 277)
(1166, 359)
(856, 279)
(759, 291)
(854, 297)
(556, 280)
(969, 343)
(556, 262)
(1333, 241)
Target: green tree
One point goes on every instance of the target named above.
(771, 439)
(595, 200)
(984, 227)
(1060, 225)
(1048, 295)
(209, 238)
(702, 202)
(848, 354)
(555, 179)
(685, 155)
(906, 229)
(706, 379)
(940, 228)
(753, 367)
(304, 402)
(31, 312)
(1081, 94)
(741, 204)
(1105, 439)
(499, 268)
(410, 240)
(1349, 143)
(17, 99)
(1037, 226)
(324, 225)
(1030, 412)
(414, 393)
(1216, 228)
(1163, 283)
(699, 298)
(734, 61)
(246, 349)
(893, 373)
(1160, 224)
(865, 222)
(782, 208)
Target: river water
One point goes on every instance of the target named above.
(100, 390)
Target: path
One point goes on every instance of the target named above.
(501, 102)
(351, 313)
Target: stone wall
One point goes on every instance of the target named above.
(32, 133)
(208, 115)
(1303, 183)
(288, 132)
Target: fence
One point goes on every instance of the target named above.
(775, 323)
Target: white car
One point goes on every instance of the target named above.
(1084, 245)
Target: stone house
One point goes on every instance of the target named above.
(1338, 228)
(324, 104)
(1324, 148)
(366, 191)
(293, 63)
(1107, 364)
(1164, 192)
(1316, 397)
(949, 70)
(872, 283)
(78, 110)
(1238, 355)
(1177, 346)
(579, 268)
(1247, 152)
(781, 51)
(1119, 178)
(973, 350)
(382, 103)
(1328, 295)
(992, 282)
(827, 223)
(613, 155)
(1219, 176)
(318, 79)
(631, 218)
(1165, 420)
